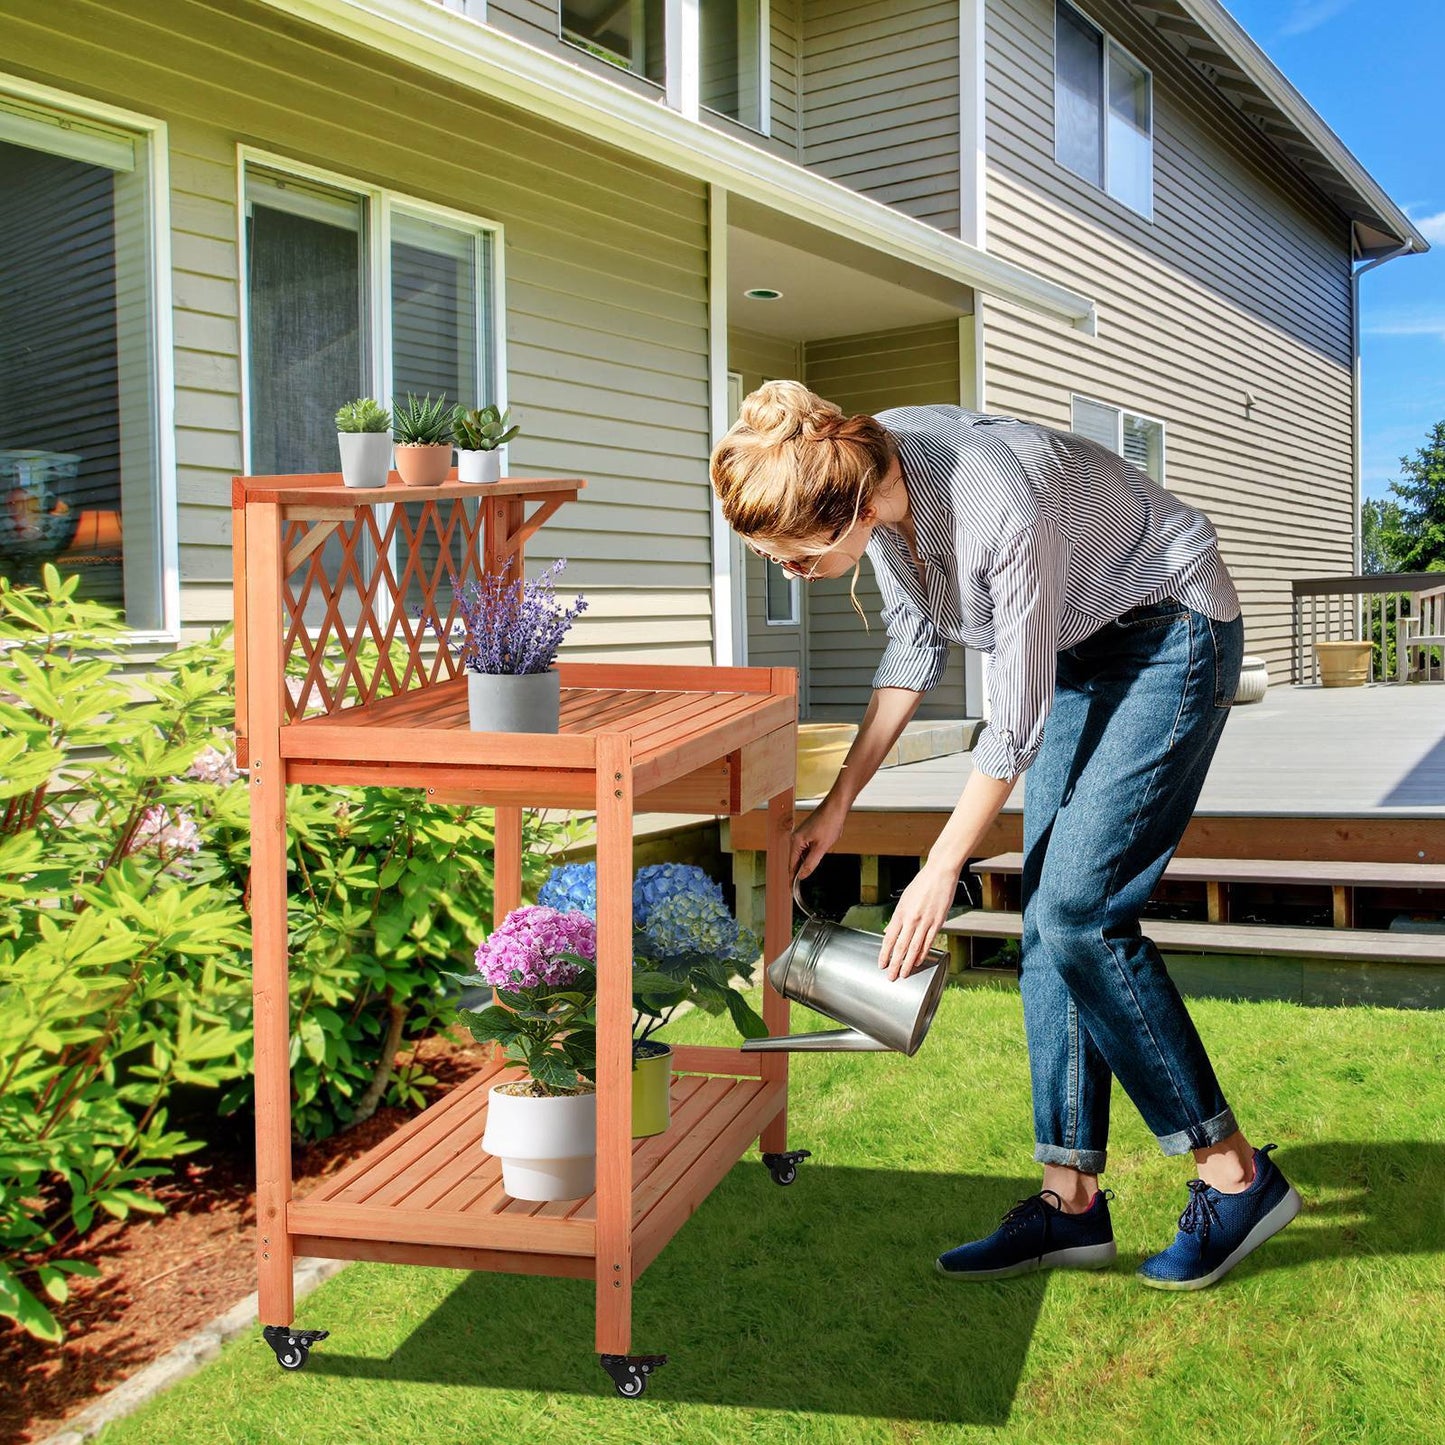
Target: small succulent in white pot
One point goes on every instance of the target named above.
(480, 435)
(423, 432)
(363, 435)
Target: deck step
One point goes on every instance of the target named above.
(1172, 935)
(1268, 870)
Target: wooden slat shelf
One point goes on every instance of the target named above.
(345, 603)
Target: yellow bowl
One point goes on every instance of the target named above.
(821, 750)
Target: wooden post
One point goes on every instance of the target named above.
(1216, 902)
(991, 891)
(506, 862)
(614, 1045)
(868, 880)
(1343, 900)
(269, 975)
(778, 928)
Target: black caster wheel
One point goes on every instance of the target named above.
(292, 1346)
(784, 1167)
(629, 1372)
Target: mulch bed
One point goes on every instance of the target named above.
(165, 1276)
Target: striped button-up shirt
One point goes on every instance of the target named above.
(1031, 539)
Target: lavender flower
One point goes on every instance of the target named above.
(514, 628)
(529, 949)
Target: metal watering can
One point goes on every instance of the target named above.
(835, 970)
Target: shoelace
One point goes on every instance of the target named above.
(1200, 1212)
(1026, 1210)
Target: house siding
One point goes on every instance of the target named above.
(605, 301)
(869, 373)
(783, 50)
(1241, 282)
(880, 85)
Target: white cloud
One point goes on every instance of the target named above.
(1408, 323)
(1307, 15)
(1431, 227)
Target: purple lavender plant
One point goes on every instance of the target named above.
(514, 628)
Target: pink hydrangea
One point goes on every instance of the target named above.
(169, 835)
(214, 766)
(527, 949)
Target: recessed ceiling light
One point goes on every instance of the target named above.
(763, 293)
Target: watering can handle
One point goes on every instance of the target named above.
(798, 897)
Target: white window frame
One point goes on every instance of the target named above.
(1120, 412)
(154, 135)
(376, 247)
(1108, 40)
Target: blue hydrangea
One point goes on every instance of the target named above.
(661, 881)
(571, 888)
(690, 923)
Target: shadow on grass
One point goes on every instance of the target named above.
(821, 1297)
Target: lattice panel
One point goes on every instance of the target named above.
(371, 598)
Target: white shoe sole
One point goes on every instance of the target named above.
(1082, 1256)
(1267, 1227)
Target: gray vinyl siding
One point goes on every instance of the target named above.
(1241, 281)
(868, 374)
(880, 85)
(758, 359)
(539, 23)
(606, 284)
(783, 74)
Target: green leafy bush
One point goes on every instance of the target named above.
(124, 948)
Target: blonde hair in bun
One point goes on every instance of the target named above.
(795, 467)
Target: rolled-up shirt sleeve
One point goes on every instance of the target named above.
(1026, 580)
(916, 653)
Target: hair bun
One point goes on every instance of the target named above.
(778, 411)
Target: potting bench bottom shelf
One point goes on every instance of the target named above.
(430, 1194)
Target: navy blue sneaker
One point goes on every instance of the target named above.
(1217, 1230)
(1037, 1234)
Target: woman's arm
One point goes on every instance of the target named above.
(889, 711)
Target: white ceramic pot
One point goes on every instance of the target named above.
(365, 457)
(504, 703)
(548, 1147)
(479, 466)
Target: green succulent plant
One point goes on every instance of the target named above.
(363, 414)
(424, 423)
(482, 430)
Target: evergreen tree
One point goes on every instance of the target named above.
(1381, 542)
(1422, 506)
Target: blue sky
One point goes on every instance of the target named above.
(1372, 70)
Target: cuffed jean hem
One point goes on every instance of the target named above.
(1200, 1136)
(1086, 1161)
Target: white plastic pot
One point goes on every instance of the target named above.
(548, 1147)
(365, 457)
(479, 466)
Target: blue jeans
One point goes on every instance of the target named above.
(1137, 713)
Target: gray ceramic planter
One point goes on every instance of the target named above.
(504, 703)
(365, 457)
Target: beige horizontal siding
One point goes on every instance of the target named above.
(879, 84)
(606, 291)
(783, 48)
(1241, 281)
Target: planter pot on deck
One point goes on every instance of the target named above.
(651, 1089)
(479, 466)
(365, 457)
(500, 702)
(423, 466)
(548, 1147)
(1344, 664)
(1253, 680)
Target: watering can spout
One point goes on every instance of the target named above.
(847, 1041)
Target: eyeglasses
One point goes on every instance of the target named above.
(806, 567)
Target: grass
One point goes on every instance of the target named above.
(812, 1314)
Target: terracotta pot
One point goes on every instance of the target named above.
(548, 1147)
(423, 466)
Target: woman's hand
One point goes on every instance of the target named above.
(815, 837)
(918, 917)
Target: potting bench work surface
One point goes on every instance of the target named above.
(347, 605)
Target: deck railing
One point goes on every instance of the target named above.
(1384, 608)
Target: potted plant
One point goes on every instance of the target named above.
(687, 948)
(543, 966)
(512, 630)
(363, 435)
(479, 436)
(423, 432)
(1344, 664)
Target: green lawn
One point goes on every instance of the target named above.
(813, 1313)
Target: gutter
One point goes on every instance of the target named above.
(1357, 418)
(422, 33)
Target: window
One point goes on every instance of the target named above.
(628, 34)
(732, 59)
(352, 292)
(81, 454)
(783, 596)
(1139, 439)
(1103, 111)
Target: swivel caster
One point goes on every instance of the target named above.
(292, 1346)
(784, 1167)
(629, 1372)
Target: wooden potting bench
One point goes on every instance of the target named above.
(343, 598)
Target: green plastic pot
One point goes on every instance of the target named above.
(651, 1089)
